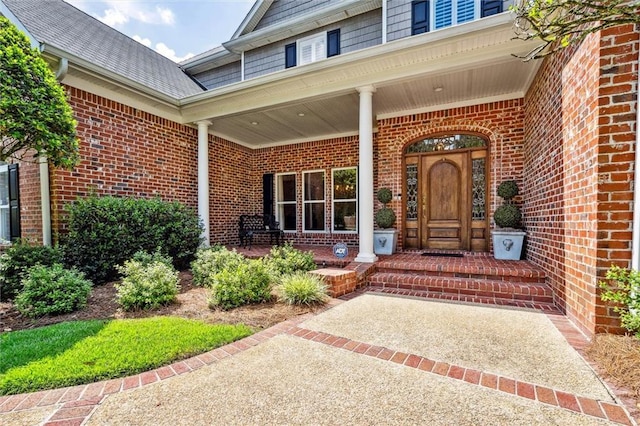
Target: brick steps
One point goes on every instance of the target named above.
(473, 278)
(464, 287)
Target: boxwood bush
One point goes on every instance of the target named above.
(210, 261)
(52, 290)
(106, 231)
(17, 260)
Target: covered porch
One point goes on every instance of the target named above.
(467, 277)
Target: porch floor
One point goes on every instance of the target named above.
(468, 277)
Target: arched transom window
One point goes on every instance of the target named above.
(447, 143)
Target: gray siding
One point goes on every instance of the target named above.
(286, 9)
(221, 76)
(356, 33)
(398, 19)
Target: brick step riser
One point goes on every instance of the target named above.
(470, 275)
(479, 288)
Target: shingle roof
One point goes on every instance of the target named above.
(60, 25)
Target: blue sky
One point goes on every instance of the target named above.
(177, 29)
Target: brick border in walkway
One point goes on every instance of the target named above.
(76, 404)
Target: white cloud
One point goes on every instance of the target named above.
(166, 51)
(120, 12)
(141, 40)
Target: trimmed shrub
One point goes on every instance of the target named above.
(285, 259)
(248, 283)
(623, 289)
(146, 286)
(16, 262)
(106, 231)
(507, 216)
(302, 288)
(212, 260)
(52, 290)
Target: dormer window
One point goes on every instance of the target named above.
(312, 48)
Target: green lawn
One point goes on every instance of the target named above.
(80, 352)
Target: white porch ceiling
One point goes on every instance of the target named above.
(464, 65)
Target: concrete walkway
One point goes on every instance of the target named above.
(374, 359)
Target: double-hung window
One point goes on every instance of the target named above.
(436, 14)
(286, 201)
(313, 210)
(312, 48)
(345, 199)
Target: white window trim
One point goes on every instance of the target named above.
(343, 200)
(279, 203)
(477, 4)
(305, 202)
(320, 37)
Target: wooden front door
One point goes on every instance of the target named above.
(445, 199)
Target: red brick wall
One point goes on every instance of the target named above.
(30, 205)
(321, 155)
(578, 171)
(618, 102)
(501, 122)
(233, 182)
(126, 151)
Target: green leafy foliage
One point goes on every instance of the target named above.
(508, 216)
(286, 259)
(210, 261)
(508, 189)
(248, 283)
(106, 231)
(302, 288)
(52, 290)
(385, 218)
(623, 289)
(16, 261)
(146, 259)
(384, 195)
(34, 112)
(79, 352)
(147, 285)
(561, 23)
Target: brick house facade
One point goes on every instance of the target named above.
(566, 134)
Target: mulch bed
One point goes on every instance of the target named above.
(191, 304)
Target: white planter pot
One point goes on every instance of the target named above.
(384, 241)
(507, 244)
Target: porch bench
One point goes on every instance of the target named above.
(250, 225)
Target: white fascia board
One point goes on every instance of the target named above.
(250, 21)
(337, 11)
(112, 77)
(4, 11)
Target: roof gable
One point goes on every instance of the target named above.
(62, 26)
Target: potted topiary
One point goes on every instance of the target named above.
(385, 239)
(508, 238)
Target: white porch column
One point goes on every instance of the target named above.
(365, 176)
(45, 200)
(203, 179)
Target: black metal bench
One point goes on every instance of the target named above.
(250, 225)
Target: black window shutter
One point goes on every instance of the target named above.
(491, 7)
(290, 55)
(419, 16)
(267, 193)
(333, 43)
(14, 202)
